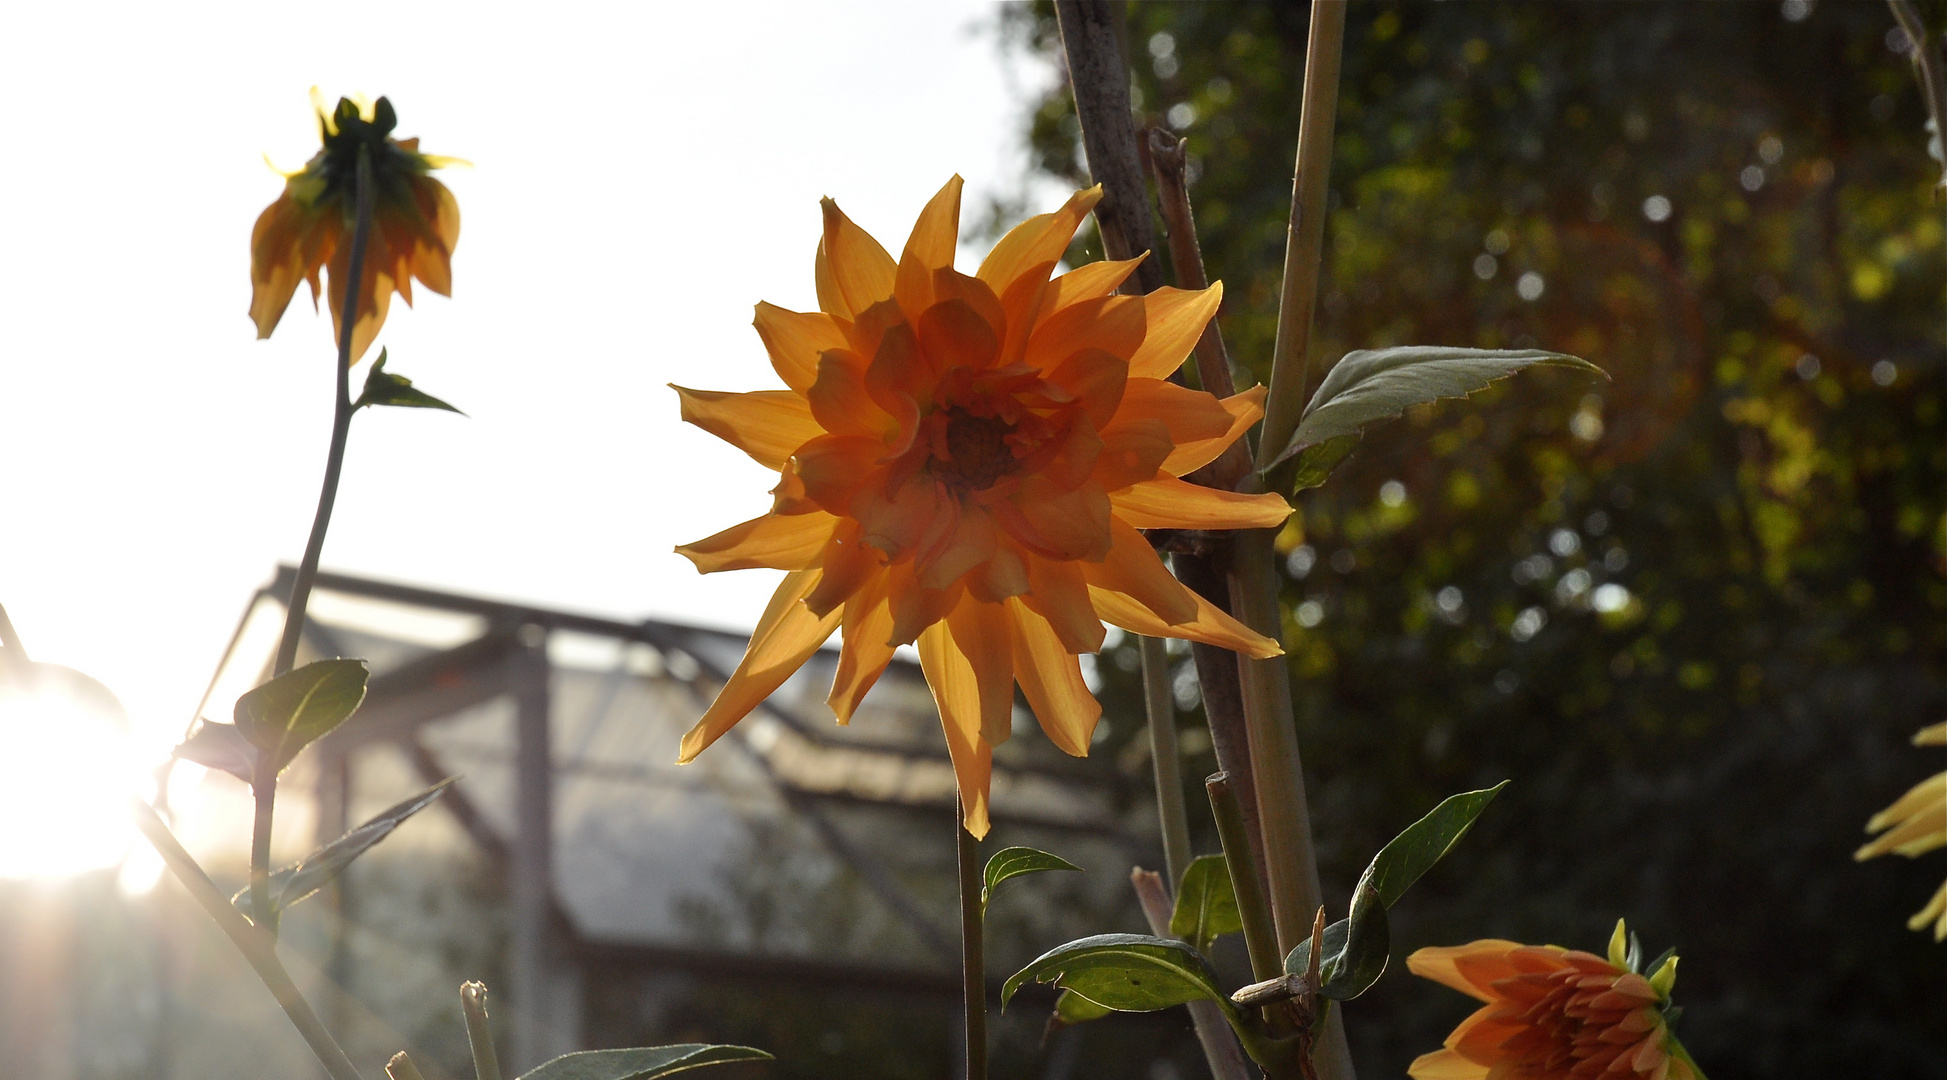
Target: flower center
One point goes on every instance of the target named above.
(969, 452)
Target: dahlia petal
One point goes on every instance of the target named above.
(1935, 912)
(1075, 461)
(1483, 1041)
(984, 634)
(840, 402)
(833, 468)
(1051, 680)
(795, 341)
(1113, 324)
(1134, 569)
(785, 638)
(1090, 282)
(771, 541)
(972, 542)
(1190, 416)
(931, 246)
(1019, 303)
(903, 521)
(1055, 523)
(953, 334)
(860, 272)
(1211, 625)
(1004, 575)
(950, 676)
(1040, 240)
(769, 425)
(1176, 318)
(866, 650)
(914, 607)
(1445, 1065)
(1649, 1053)
(1165, 502)
(277, 259)
(1442, 965)
(1132, 452)
(1096, 379)
(848, 564)
(1245, 409)
(1059, 594)
(950, 284)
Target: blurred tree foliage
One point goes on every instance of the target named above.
(1694, 613)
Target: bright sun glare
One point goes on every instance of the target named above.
(66, 773)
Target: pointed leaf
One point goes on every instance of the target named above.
(1311, 466)
(299, 880)
(641, 1063)
(286, 714)
(1125, 972)
(1071, 1009)
(1206, 906)
(1413, 852)
(1353, 950)
(384, 388)
(1013, 862)
(1373, 384)
(220, 746)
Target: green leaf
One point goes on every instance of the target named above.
(1374, 384)
(1312, 465)
(1206, 908)
(641, 1063)
(1126, 973)
(1352, 951)
(288, 713)
(1013, 862)
(1071, 1009)
(1401, 862)
(384, 388)
(220, 746)
(313, 872)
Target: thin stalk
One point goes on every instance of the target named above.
(264, 782)
(1221, 1050)
(973, 960)
(256, 947)
(1161, 707)
(479, 1033)
(1260, 937)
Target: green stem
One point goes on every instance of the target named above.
(1168, 763)
(479, 1033)
(256, 947)
(264, 783)
(1260, 938)
(973, 960)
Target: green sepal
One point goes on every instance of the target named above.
(1013, 862)
(1206, 905)
(384, 388)
(288, 713)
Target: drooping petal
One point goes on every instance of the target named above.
(1133, 569)
(956, 692)
(1051, 680)
(1168, 503)
(984, 634)
(795, 341)
(773, 541)
(915, 607)
(931, 246)
(1176, 319)
(1244, 410)
(1040, 240)
(769, 425)
(785, 638)
(854, 271)
(1211, 626)
(1113, 324)
(867, 649)
(1060, 595)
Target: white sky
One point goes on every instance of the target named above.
(642, 175)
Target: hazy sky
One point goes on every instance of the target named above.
(642, 174)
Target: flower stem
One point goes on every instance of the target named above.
(1168, 763)
(1260, 938)
(264, 783)
(479, 1033)
(256, 947)
(973, 960)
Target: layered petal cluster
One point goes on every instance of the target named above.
(1915, 825)
(415, 224)
(965, 463)
(1552, 1014)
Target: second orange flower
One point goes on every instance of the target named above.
(965, 463)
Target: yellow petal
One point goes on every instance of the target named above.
(867, 648)
(795, 341)
(1176, 319)
(1113, 324)
(1039, 240)
(1168, 503)
(1244, 410)
(1090, 282)
(955, 690)
(1934, 735)
(854, 271)
(1133, 569)
(773, 541)
(1051, 680)
(1445, 1065)
(1211, 626)
(931, 247)
(1441, 963)
(769, 425)
(1059, 594)
(785, 638)
(1935, 912)
(984, 635)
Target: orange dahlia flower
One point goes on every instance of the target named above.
(415, 224)
(1554, 1014)
(965, 462)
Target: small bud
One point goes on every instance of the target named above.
(1664, 978)
(1619, 945)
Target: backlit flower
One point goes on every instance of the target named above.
(965, 463)
(415, 223)
(1555, 1013)
(1915, 825)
